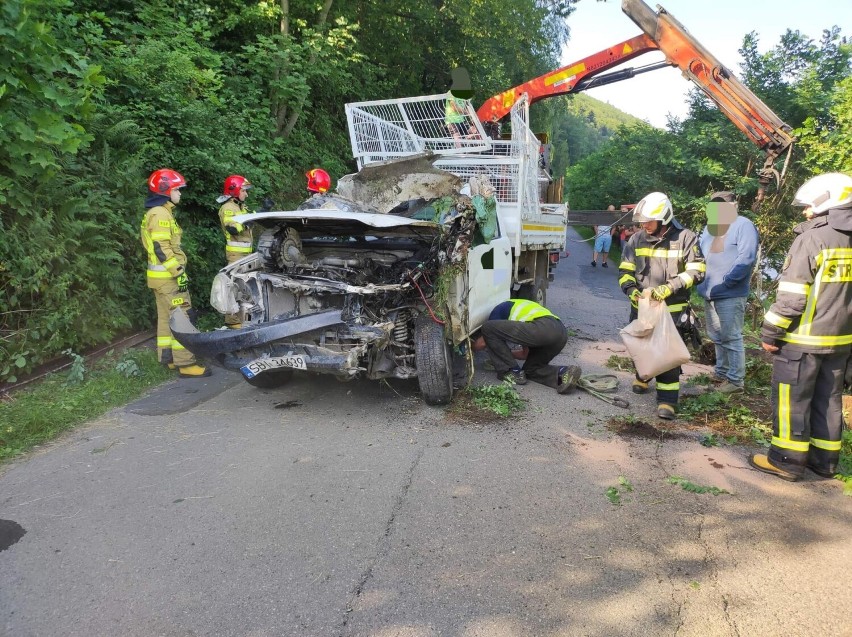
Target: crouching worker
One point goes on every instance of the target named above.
(664, 257)
(542, 336)
(166, 273)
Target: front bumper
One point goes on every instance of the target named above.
(233, 349)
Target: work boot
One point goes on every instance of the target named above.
(760, 461)
(822, 472)
(665, 411)
(518, 376)
(193, 371)
(568, 377)
(166, 360)
(729, 388)
(639, 386)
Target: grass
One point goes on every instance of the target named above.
(64, 400)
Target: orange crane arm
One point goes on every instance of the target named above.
(565, 80)
(745, 110)
(661, 33)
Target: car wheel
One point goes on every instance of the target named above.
(534, 291)
(271, 379)
(433, 358)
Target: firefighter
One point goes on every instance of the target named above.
(167, 277)
(319, 181)
(663, 257)
(542, 336)
(238, 239)
(809, 331)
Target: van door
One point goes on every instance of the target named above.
(486, 283)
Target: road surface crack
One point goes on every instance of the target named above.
(383, 543)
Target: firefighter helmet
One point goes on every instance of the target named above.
(235, 183)
(318, 180)
(163, 181)
(823, 192)
(655, 206)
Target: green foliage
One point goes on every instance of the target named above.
(502, 399)
(758, 373)
(711, 402)
(686, 485)
(96, 95)
(621, 363)
(613, 496)
(77, 373)
(700, 379)
(709, 440)
(742, 419)
(33, 416)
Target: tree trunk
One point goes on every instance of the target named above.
(279, 108)
(294, 116)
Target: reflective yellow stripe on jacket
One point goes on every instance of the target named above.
(525, 311)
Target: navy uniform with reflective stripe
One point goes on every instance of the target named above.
(529, 324)
(673, 258)
(811, 322)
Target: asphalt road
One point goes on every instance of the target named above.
(217, 509)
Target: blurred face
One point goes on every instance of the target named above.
(175, 195)
(650, 226)
(720, 216)
(243, 194)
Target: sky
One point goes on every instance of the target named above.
(717, 24)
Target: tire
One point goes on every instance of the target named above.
(534, 291)
(270, 379)
(434, 362)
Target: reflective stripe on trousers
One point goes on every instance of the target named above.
(807, 405)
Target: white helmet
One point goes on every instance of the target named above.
(823, 192)
(654, 207)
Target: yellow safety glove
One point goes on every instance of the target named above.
(182, 282)
(662, 292)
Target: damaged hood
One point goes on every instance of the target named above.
(341, 222)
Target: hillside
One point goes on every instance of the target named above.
(583, 129)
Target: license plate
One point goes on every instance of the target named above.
(276, 362)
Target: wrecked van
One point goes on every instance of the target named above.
(378, 280)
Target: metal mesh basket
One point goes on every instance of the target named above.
(386, 129)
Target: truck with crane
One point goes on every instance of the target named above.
(387, 276)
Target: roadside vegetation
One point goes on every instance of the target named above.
(96, 95)
(63, 400)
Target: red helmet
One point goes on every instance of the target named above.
(318, 180)
(163, 181)
(234, 184)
